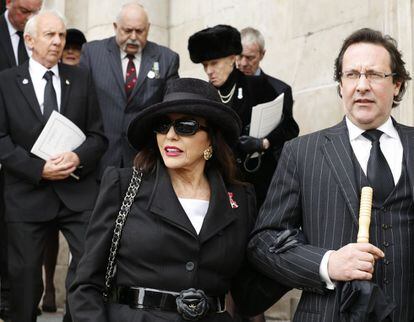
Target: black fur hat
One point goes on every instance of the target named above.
(215, 42)
(187, 96)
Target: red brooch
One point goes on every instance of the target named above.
(233, 203)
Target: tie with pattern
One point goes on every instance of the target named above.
(131, 76)
(378, 171)
(50, 101)
(21, 49)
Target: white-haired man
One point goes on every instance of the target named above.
(130, 73)
(249, 63)
(42, 194)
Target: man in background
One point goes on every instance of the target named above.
(130, 73)
(12, 52)
(57, 192)
(249, 63)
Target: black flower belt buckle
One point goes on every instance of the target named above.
(192, 304)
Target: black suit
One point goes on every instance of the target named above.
(316, 188)
(32, 203)
(7, 60)
(287, 128)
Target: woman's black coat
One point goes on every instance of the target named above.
(160, 249)
(250, 91)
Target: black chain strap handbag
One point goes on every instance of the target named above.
(129, 197)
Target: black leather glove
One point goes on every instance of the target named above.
(249, 144)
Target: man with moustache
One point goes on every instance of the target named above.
(12, 52)
(130, 73)
(315, 192)
(43, 194)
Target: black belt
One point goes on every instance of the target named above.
(192, 304)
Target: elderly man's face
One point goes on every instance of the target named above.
(131, 30)
(48, 42)
(368, 103)
(21, 10)
(249, 60)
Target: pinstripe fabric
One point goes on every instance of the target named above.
(102, 58)
(316, 187)
(391, 225)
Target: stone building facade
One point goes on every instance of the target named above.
(302, 40)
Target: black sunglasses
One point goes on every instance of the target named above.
(183, 127)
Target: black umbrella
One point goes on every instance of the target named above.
(364, 301)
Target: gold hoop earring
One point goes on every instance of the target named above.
(208, 153)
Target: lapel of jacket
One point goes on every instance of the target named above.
(65, 85)
(116, 65)
(148, 57)
(407, 141)
(338, 152)
(220, 213)
(25, 84)
(165, 204)
(5, 41)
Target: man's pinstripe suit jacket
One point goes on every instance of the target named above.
(314, 188)
(103, 59)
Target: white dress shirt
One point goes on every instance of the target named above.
(14, 37)
(391, 147)
(125, 60)
(37, 71)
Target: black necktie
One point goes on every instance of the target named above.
(378, 171)
(50, 101)
(131, 76)
(21, 49)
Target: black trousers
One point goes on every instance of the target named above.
(26, 245)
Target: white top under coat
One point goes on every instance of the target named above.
(196, 210)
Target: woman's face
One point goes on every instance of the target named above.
(71, 55)
(218, 70)
(182, 152)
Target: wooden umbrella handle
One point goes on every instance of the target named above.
(365, 215)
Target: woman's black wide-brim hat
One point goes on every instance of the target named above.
(215, 42)
(186, 96)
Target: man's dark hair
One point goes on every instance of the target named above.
(367, 35)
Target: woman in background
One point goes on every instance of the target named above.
(216, 49)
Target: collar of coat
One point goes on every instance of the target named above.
(164, 203)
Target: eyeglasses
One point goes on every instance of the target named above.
(183, 127)
(371, 76)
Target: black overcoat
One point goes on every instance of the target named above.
(160, 249)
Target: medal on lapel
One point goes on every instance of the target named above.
(155, 71)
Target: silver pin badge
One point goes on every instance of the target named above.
(151, 74)
(240, 93)
(25, 81)
(67, 82)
